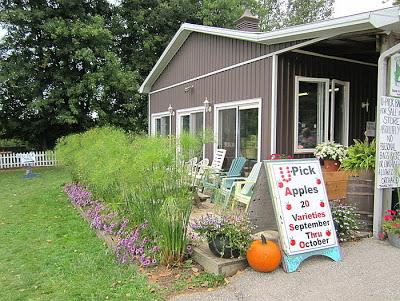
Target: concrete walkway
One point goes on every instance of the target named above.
(370, 270)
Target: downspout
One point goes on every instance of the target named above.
(382, 91)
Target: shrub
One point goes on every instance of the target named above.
(142, 177)
(360, 156)
(346, 221)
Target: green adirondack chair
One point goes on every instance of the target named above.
(243, 188)
(213, 180)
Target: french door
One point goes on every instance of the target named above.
(321, 112)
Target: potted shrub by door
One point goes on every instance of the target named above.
(331, 153)
(228, 235)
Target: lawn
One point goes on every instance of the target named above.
(48, 252)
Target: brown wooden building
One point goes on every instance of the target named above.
(276, 92)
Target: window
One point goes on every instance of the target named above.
(190, 121)
(237, 130)
(161, 124)
(321, 112)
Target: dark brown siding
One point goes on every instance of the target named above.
(204, 53)
(245, 82)
(363, 84)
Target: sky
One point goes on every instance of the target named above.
(341, 7)
(351, 7)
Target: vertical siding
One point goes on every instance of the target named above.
(363, 84)
(246, 82)
(204, 53)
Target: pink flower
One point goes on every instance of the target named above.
(388, 218)
(392, 212)
(381, 235)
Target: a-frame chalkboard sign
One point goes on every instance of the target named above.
(302, 211)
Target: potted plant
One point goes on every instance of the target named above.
(331, 153)
(391, 226)
(361, 158)
(228, 235)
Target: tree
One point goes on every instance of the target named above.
(306, 11)
(59, 70)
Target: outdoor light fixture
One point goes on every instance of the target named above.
(171, 110)
(365, 105)
(207, 106)
(189, 88)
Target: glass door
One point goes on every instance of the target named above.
(238, 132)
(339, 112)
(227, 134)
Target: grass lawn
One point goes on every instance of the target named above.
(48, 252)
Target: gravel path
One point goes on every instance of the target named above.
(369, 271)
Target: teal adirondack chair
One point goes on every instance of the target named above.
(242, 188)
(213, 181)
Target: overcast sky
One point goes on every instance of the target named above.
(341, 7)
(351, 7)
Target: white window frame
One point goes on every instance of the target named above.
(328, 125)
(186, 112)
(346, 96)
(240, 104)
(159, 115)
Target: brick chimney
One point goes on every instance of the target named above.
(247, 22)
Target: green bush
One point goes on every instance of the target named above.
(360, 156)
(143, 177)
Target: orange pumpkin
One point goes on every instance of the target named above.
(263, 255)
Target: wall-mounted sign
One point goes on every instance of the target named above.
(395, 75)
(370, 129)
(388, 146)
(302, 211)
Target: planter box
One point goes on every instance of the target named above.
(336, 183)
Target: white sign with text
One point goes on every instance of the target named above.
(388, 146)
(301, 206)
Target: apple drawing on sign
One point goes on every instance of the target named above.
(292, 242)
(280, 185)
(288, 206)
(318, 181)
(322, 204)
(328, 233)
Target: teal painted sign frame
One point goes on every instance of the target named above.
(293, 256)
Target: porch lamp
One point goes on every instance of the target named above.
(207, 106)
(171, 110)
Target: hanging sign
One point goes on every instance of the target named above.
(395, 75)
(388, 146)
(302, 211)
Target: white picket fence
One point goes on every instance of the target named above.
(13, 160)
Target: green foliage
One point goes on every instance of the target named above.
(58, 66)
(144, 177)
(48, 252)
(346, 220)
(360, 156)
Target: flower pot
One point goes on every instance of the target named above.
(219, 247)
(331, 165)
(394, 239)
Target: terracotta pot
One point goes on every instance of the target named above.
(331, 165)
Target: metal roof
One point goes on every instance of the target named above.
(387, 19)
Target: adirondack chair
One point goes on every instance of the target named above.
(213, 181)
(191, 165)
(243, 189)
(218, 161)
(199, 170)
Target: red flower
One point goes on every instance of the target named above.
(392, 212)
(388, 218)
(396, 225)
(381, 235)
